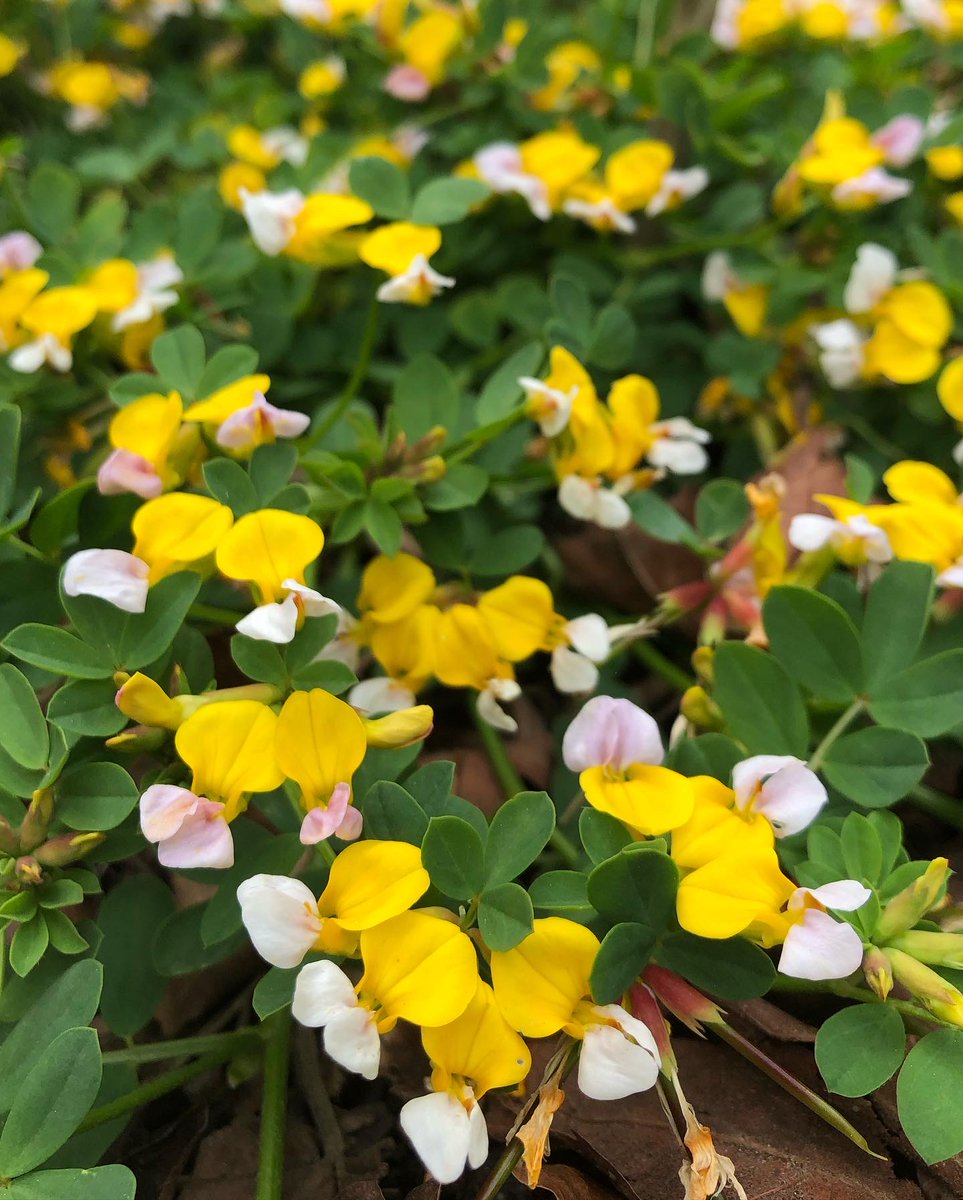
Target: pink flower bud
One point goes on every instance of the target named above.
(407, 83)
(124, 471)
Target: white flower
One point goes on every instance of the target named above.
(549, 406)
(718, 277)
(380, 695)
(573, 666)
(271, 216)
(590, 500)
(617, 1058)
(416, 285)
(287, 144)
(873, 274)
(281, 917)
(113, 575)
(446, 1133)
(780, 787)
(308, 10)
(278, 621)
(324, 998)
(678, 447)
(842, 352)
(677, 186)
(47, 348)
(155, 294)
(600, 214)
(818, 946)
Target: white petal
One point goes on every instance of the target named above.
(478, 1142)
(380, 695)
(845, 895)
(589, 635)
(952, 576)
(611, 1066)
(439, 1128)
(321, 992)
(113, 575)
(351, 1039)
(611, 510)
(281, 918)
(820, 947)
(872, 276)
(275, 622)
(203, 840)
(313, 603)
(577, 496)
(678, 455)
(718, 276)
(791, 799)
(19, 250)
(28, 358)
(573, 673)
(270, 217)
(489, 711)
(747, 774)
(810, 531)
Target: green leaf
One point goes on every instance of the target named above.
(563, 894)
(431, 785)
(721, 509)
(179, 947)
(875, 767)
(149, 634)
(393, 815)
(815, 641)
(130, 915)
(926, 699)
(178, 355)
(507, 551)
(425, 395)
(612, 339)
(660, 520)
(94, 796)
(929, 1096)
(81, 1183)
(502, 392)
(445, 201)
(730, 968)
(229, 483)
(519, 832)
(10, 422)
(708, 754)
(858, 1049)
(505, 916)
(454, 857)
(57, 651)
(86, 708)
(71, 1000)
(332, 676)
(572, 303)
(255, 852)
(636, 885)
(383, 185)
(761, 704)
(384, 525)
(275, 990)
(602, 835)
(259, 660)
(309, 641)
(228, 365)
(29, 945)
(462, 486)
(25, 736)
(897, 611)
(62, 933)
(862, 850)
(53, 194)
(52, 1100)
(270, 468)
(623, 955)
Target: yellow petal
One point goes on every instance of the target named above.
(920, 311)
(539, 984)
(479, 1045)
(421, 968)
(465, 649)
(520, 614)
(371, 882)
(891, 353)
(747, 307)
(148, 426)
(911, 481)
(62, 311)
(246, 143)
(146, 702)
(634, 173)
(729, 893)
(266, 547)
(175, 530)
(405, 648)
(949, 388)
(714, 827)
(401, 728)
(567, 374)
(393, 248)
(230, 749)
(17, 290)
(219, 405)
(320, 743)
(114, 284)
(651, 800)
(560, 159)
(392, 588)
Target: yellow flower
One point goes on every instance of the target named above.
(430, 41)
(945, 162)
(85, 85)
(218, 406)
(949, 387)
(651, 800)
(520, 613)
(479, 1048)
(319, 224)
(60, 312)
(912, 482)
(114, 284)
(758, 20)
(954, 206)
(320, 743)
(17, 291)
(634, 174)
(238, 175)
(11, 52)
(826, 21)
(560, 159)
(392, 588)
(405, 648)
(322, 77)
(566, 64)
(230, 749)
(248, 144)
(148, 427)
(178, 531)
(402, 250)
(840, 149)
(268, 547)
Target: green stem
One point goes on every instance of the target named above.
(512, 783)
(357, 377)
(640, 259)
(469, 918)
(849, 991)
(482, 436)
(661, 665)
(214, 614)
(645, 21)
(937, 805)
(274, 1102)
(837, 730)
(168, 1082)
(184, 1047)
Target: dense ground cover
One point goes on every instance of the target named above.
(481, 569)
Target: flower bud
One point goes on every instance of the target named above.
(937, 949)
(68, 848)
(878, 972)
(33, 828)
(8, 838)
(28, 871)
(940, 997)
(399, 729)
(643, 1004)
(682, 999)
(137, 740)
(146, 702)
(913, 902)
(432, 469)
(703, 663)
(700, 709)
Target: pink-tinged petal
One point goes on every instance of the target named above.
(112, 575)
(164, 809)
(323, 821)
(610, 731)
(321, 992)
(900, 139)
(351, 825)
(281, 918)
(439, 1128)
(407, 83)
(260, 421)
(874, 184)
(820, 947)
(203, 840)
(123, 471)
(18, 251)
(791, 799)
(845, 895)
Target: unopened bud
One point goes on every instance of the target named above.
(937, 949)
(68, 848)
(146, 702)
(701, 710)
(137, 740)
(399, 729)
(28, 870)
(682, 999)
(940, 997)
(33, 827)
(878, 972)
(430, 444)
(703, 663)
(432, 469)
(9, 843)
(913, 902)
(643, 1004)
